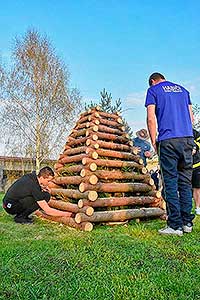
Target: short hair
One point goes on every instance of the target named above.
(46, 172)
(155, 76)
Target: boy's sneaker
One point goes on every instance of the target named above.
(187, 228)
(170, 231)
(22, 220)
(197, 211)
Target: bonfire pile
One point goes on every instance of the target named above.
(100, 177)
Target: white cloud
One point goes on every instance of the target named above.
(135, 98)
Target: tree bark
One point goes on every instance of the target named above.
(117, 201)
(66, 206)
(86, 226)
(112, 137)
(120, 215)
(115, 174)
(75, 194)
(114, 164)
(72, 159)
(116, 187)
(122, 155)
(73, 151)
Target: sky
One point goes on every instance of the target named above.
(114, 45)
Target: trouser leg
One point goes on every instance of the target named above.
(169, 163)
(185, 181)
(29, 206)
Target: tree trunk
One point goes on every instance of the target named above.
(116, 187)
(75, 194)
(86, 226)
(72, 159)
(117, 201)
(122, 155)
(115, 174)
(120, 215)
(115, 164)
(66, 206)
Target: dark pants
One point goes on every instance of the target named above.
(176, 167)
(24, 207)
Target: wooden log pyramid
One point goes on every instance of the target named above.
(99, 176)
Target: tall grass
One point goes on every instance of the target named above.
(49, 261)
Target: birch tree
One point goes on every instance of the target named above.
(39, 104)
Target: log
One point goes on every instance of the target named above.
(66, 206)
(86, 226)
(73, 151)
(75, 142)
(116, 174)
(75, 194)
(107, 129)
(108, 115)
(78, 133)
(117, 201)
(71, 169)
(116, 187)
(110, 137)
(120, 215)
(58, 166)
(113, 146)
(114, 164)
(117, 123)
(122, 155)
(68, 180)
(156, 194)
(72, 159)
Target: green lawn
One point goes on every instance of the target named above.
(49, 261)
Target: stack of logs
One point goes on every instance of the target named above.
(100, 177)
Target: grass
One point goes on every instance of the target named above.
(50, 261)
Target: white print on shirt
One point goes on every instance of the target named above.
(173, 88)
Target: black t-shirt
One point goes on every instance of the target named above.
(196, 156)
(26, 186)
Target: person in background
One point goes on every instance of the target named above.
(169, 109)
(196, 172)
(142, 144)
(30, 193)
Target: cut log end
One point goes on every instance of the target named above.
(93, 179)
(87, 226)
(92, 195)
(94, 155)
(95, 128)
(89, 211)
(95, 137)
(80, 203)
(88, 142)
(83, 173)
(119, 120)
(93, 167)
(78, 218)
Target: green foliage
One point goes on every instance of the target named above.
(107, 105)
(48, 261)
(196, 112)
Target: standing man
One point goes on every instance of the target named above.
(170, 105)
(196, 171)
(30, 193)
(142, 144)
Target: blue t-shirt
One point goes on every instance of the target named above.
(172, 112)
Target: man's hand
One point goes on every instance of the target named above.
(147, 154)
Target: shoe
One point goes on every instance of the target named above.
(170, 231)
(187, 228)
(197, 211)
(22, 220)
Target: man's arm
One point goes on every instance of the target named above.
(191, 113)
(51, 211)
(151, 124)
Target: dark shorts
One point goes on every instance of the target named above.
(196, 178)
